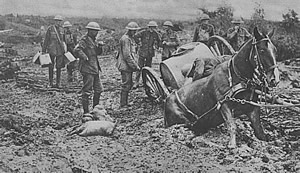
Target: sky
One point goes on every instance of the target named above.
(162, 9)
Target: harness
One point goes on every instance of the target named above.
(259, 79)
(226, 97)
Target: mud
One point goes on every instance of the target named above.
(34, 125)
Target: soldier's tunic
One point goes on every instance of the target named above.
(171, 43)
(238, 38)
(203, 32)
(87, 51)
(147, 40)
(53, 44)
(70, 39)
(203, 67)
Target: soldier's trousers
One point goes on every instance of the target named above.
(91, 82)
(58, 61)
(126, 81)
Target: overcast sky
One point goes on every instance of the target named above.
(164, 9)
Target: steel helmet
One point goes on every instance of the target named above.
(152, 23)
(168, 23)
(132, 26)
(67, 24)
(58, 17)
(237, 20)
(93, 25)
(204, 17)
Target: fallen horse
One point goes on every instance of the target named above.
(219, 98)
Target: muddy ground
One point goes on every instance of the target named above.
(34, 123)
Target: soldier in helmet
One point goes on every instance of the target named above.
(53, 44)
(169, 40)
(204, 30)
(147, 38)
(87, 50)
(126, 62)
(237, 35)
(71, 40)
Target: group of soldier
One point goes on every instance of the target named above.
(58, 40)
(136, 50)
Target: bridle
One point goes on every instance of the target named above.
(260, 73)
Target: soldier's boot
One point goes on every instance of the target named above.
(124, 99)
(86, 112)
(50, 76)
(58, 75)
(96, 99)
(85, 103)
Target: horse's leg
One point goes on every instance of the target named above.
(254, 117)
(230, 123)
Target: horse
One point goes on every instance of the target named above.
(227, 93)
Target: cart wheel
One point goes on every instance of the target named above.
(219, 46)
(154, 87)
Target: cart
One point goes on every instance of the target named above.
(157, 87)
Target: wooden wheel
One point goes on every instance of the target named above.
(153, 85)
(219, 46)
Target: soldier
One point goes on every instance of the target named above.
(169, 40)
(203, 67)
(87, 50)
(54, 46)
(126, 62)
(204, 30)
(147, 38)
(71, 40)
(237, 35)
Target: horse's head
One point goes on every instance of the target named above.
(264, 58)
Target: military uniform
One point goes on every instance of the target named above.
(238, 37)
(146, 52)
(203, 67)
(87, 51)
(171, 40)
(71, 40)
(126, 63)
(54, 46)
(203, 32)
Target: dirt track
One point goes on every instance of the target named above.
(34, 127)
